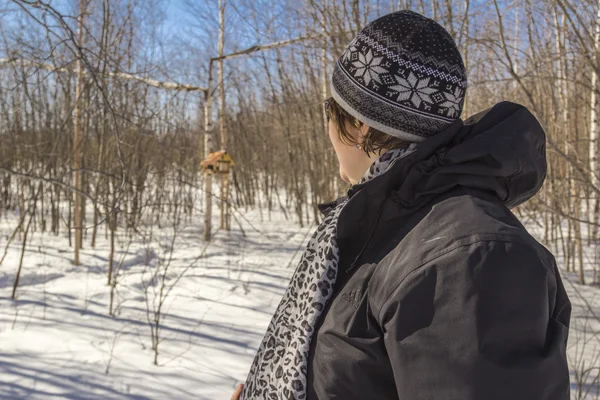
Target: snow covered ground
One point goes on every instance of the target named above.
(57, 340)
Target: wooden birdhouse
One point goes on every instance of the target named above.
(219, 162)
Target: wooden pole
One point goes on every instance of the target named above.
(77, 135)
(223, 129)
(208, 148)
(119, 75)
(594, 128)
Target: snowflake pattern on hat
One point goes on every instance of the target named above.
(413, 89)
(369, 67)
(453, 102)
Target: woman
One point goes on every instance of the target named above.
(420, 283)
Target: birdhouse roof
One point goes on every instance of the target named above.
(214, 158)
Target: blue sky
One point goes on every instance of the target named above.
(176, 15)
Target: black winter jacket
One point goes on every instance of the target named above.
(442, 293)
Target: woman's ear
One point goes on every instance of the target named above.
(362, 132)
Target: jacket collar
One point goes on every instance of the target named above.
(366, 202)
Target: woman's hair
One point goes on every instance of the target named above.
(375, 140)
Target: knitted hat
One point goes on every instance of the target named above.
(403, 75)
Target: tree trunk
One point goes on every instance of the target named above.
(593, 147)
(77, 135)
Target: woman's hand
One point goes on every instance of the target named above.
(238, 391)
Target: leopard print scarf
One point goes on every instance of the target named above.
(279, 368)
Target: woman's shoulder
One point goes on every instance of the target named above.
(451, 224)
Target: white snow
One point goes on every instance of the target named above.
(57, 340)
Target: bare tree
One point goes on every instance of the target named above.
(77, 137)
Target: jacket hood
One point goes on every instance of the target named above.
(500, 151)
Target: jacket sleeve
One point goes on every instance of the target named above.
(478, 322)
